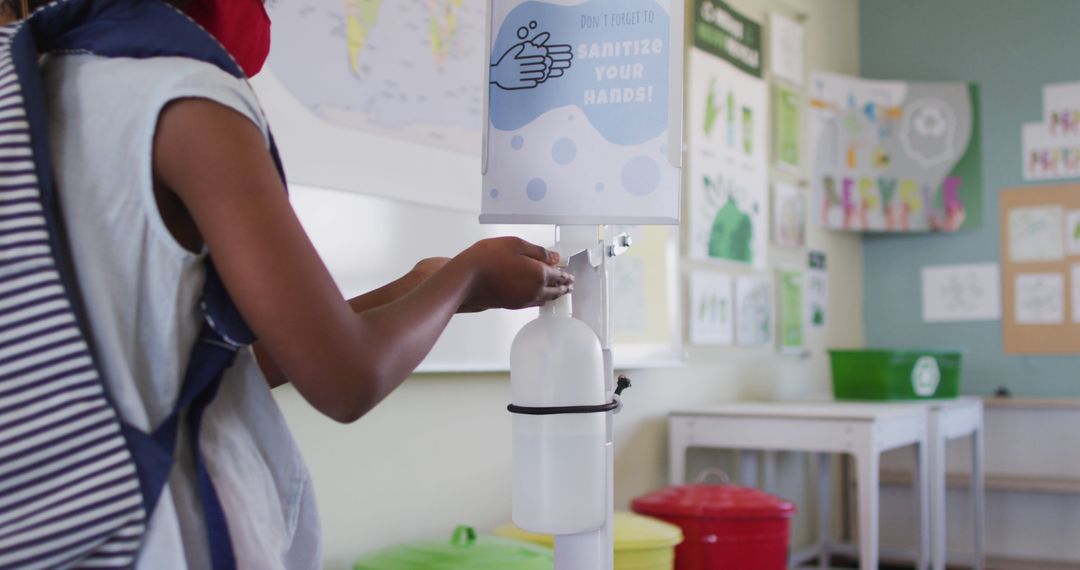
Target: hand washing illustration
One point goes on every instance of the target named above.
(530, 62)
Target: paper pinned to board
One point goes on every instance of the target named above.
(712, 309)
(753, 311)
(1075, 281)
(787, 48)
(1036, 234)
(1072, 232)
(964, 292)
(1040, 298)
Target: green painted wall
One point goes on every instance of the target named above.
(1011, 48)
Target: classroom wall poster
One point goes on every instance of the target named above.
(963, 292)
(1052, 147)
(817, 290)
(892, 156)
(791, 315)
(753, 310)
(787, 54)
(789, 215)
(583, 102)
(727, 122)
(712, 309)
(787, 104)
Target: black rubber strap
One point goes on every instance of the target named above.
(524, 410)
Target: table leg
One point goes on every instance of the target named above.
(922, 491)
(769, 462)
(748, 467)
(677, 446)
(867, 467)
(824, 504)
(936, 447)
(978, 497)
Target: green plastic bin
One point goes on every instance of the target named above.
(895, 374)
(465, 551)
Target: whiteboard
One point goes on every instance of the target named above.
(368, 241)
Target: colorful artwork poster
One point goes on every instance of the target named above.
(712, 309)
(727, 34)
(791, 323)
(580, 113)
(789, 216)
(728, 162)
(895, 157)
(817, 290)
(1052, 147)
(753, 310)
(788, 132)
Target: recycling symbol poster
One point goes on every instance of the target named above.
(893, 156)
(584, 112)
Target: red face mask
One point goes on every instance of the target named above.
(242, 26)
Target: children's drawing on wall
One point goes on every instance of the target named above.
(966, 292)
(895, 156)
(1052, 146)
(787, 104)
(728, 180)
(817, 290)
(712, 309)
(791, 313)
(789, 215)
(1036, 234)
(405, 70)
(1074, 282)
(563, 80)
(1072, 232)
(1040, 298)
(753, 311)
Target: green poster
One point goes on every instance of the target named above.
(791, 311)
(723, 32)
(788, 106)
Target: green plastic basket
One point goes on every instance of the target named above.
(895, 374)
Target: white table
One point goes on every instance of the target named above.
(863, 430)
(954, 419)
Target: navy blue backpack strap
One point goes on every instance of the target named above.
(124, 28)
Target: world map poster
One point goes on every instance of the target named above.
(407, 69)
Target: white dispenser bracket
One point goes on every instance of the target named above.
(591, 251)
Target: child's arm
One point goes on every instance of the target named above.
(342, 361)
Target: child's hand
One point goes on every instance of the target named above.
(511, 273)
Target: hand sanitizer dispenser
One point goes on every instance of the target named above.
(557, 384)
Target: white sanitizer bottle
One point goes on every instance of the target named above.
(559, 459)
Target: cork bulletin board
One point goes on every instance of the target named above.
(1040, 269)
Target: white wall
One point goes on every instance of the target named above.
(437, 452)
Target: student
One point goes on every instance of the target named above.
(161, 162)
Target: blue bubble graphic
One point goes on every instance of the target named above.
(517, 142)
(641, 176)
(599, 186)
(494, 193)
(564, 151)
(536, 190)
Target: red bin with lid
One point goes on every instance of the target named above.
(724, 526)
